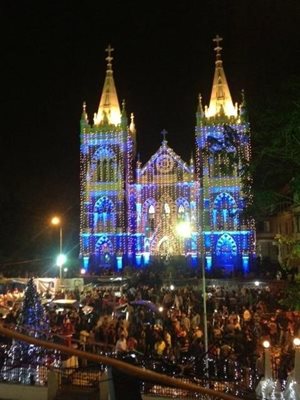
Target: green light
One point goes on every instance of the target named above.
(61, 259)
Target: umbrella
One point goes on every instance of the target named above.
(146, 303)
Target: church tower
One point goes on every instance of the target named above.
(223, 155)
(107, 150)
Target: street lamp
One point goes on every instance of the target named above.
(184, 230)
(267, 387)
(296, 342)
(61, 258)
(57, 222)
(60, 261)
(292, 389)
(268, 366)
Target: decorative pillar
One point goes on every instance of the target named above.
(267, 388)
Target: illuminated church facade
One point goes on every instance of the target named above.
(133, 214)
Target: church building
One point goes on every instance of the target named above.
(134, 213)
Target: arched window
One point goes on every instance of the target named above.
(183, 209)
(105, 250)
(225, 212)
(104, 215)
(104, 170)
(151, 211)
(226, 251)
(148, 214)
(104, 164)
(181, 212)
(112, 170)
(151, 215)
(166, 209)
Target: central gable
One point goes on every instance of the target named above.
(165, 166)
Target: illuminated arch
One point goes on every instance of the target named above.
(103, 244)
(225, 212)
(166, 206)
(104, 249)
(147, 245)
(151, 209)
(224, 200)
(164, 245)
(104, 204)
(148, 213)
(183, 209)
(104, 214)
(104, 165)
(226, 245)
(103, 152)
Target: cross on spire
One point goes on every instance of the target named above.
(164, 134)
(218, 48)
(109, 58)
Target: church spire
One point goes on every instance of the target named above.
(84, 116)
(243, 108)
(132, 124)
(200, 112)
(109, 108)
(220, 100)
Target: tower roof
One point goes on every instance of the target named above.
(109, 108)
(220, 99)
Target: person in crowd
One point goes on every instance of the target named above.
(121, 344)
(237, 319)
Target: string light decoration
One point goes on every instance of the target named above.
(224, 153)
(106, 169)
(130, 212)
(27, 363)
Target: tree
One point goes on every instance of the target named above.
(24, 362)
(289, 251)
(276, 148)
(291, 296)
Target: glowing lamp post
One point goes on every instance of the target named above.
(268, 366)
(296, 342)
(57, 222)
(184, 230)
(292, 390)
(267, 387)
(60, 261)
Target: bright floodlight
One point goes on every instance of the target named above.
(266, 344)
(256, 283)
(296, 341)
(184, 229)
(61, 259)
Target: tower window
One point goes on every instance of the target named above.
(151, 212)
(167, 208)
(181, 212)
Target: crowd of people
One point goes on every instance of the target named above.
(239, 318)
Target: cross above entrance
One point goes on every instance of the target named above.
(164, 134)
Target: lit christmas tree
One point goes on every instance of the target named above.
(26, 363)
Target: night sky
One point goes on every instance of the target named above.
(53, 59)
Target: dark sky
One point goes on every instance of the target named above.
(53, 59)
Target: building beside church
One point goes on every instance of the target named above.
(134, 213)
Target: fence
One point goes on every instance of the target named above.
(225, 381)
